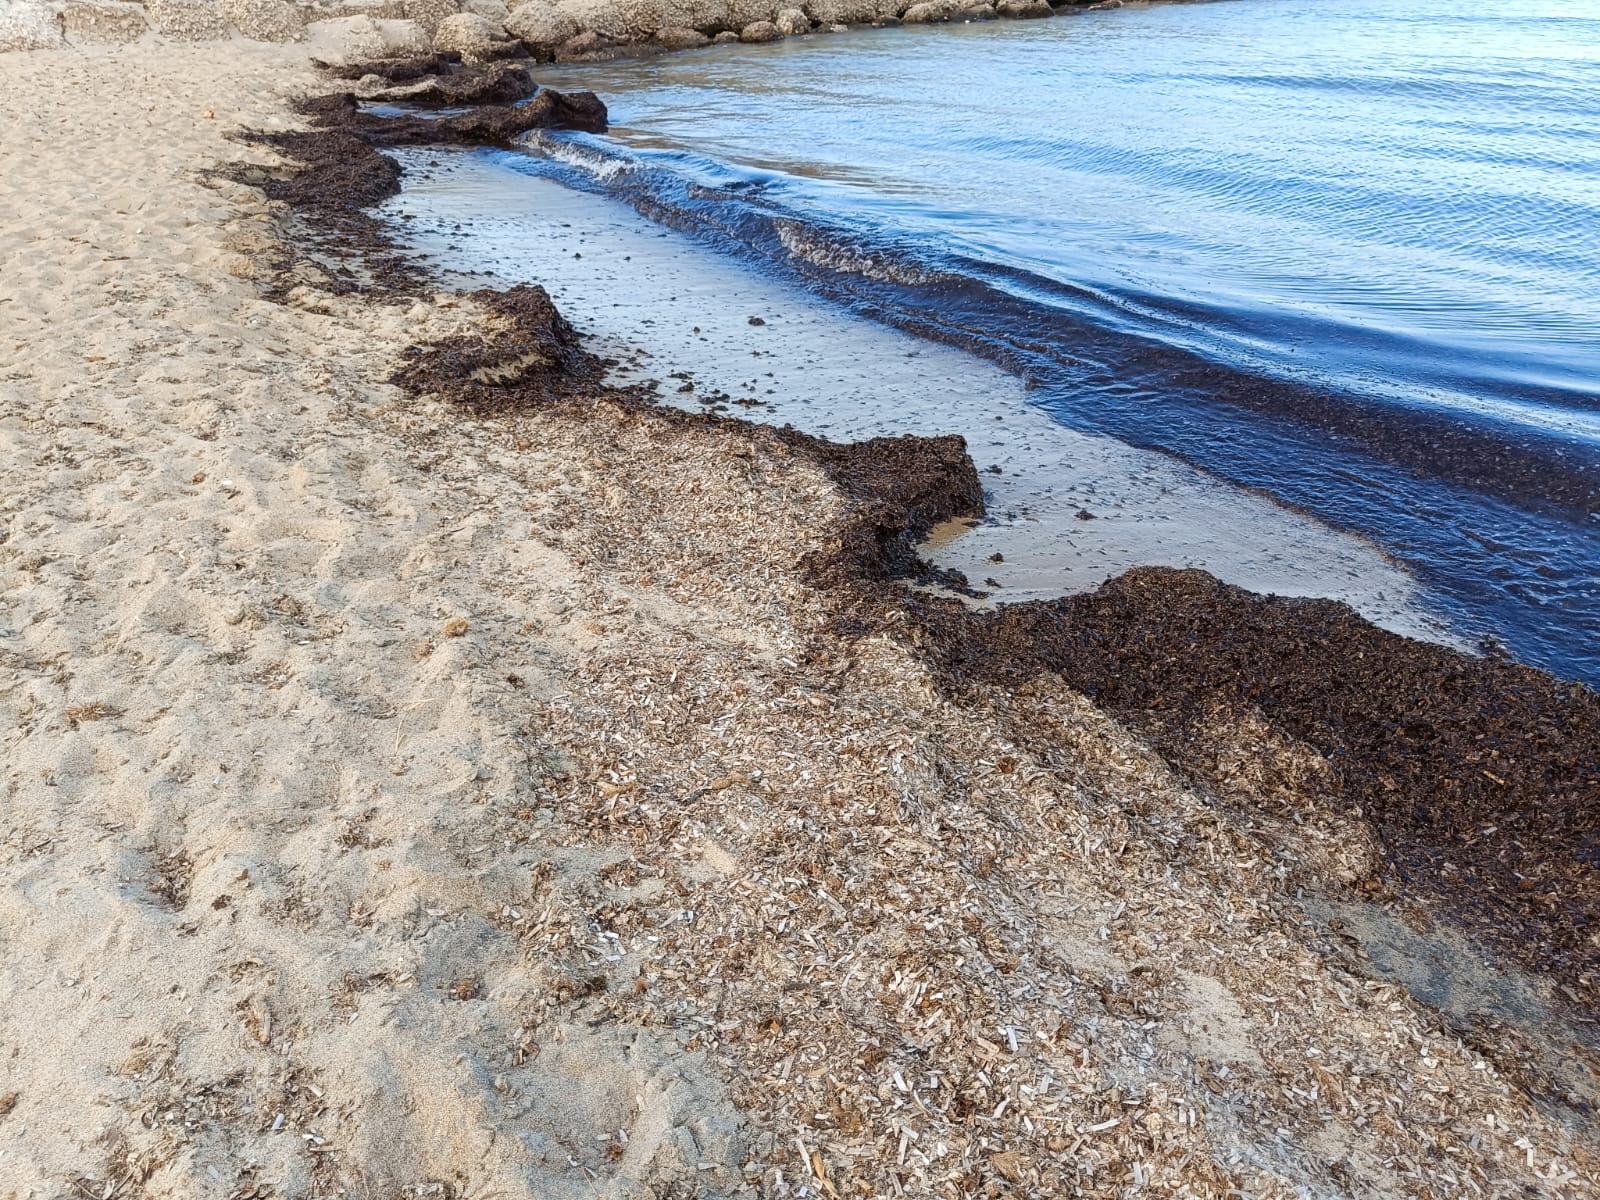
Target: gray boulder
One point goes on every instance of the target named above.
(682, 39)
(760, 31)
(929, 12)
(791, 22)
(265, 20)
(472, 36)
(1022, 9)
(587, 46)
(725, 38)
(341, 40)
(188, 20)
(541, 25)
(491, 10)
(428, 13)
(91, 22)
(404, 39)
(28, 25)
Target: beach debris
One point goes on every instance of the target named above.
(94, 710)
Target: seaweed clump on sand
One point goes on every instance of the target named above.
(490, 83)
(529, 355)
(1480, 777)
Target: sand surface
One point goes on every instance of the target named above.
(400, 804)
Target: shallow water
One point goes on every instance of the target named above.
(1347, 254)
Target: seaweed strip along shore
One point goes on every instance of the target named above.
(1478, 778)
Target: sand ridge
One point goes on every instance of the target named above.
(402, 803)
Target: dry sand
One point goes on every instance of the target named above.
(401, 804)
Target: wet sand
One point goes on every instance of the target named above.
(1066, 510)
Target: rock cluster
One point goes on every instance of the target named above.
(343, 31)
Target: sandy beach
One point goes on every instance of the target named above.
(413, 789)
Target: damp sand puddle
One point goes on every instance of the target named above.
(1067, 510)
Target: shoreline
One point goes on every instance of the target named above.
(1386, 716)
(1064, 510)
(581, 803)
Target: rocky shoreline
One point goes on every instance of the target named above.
(485, 30)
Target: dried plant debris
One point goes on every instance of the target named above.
(1479, 777)
(527, 354)
(393, 70)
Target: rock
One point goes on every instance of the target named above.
(541, 25)
(1019, 9)
(726, 37)
(405, 39)
(489, 10)
(266, 20)
(469, 35)
(346, 39)
(378, 10)
(929, 12)
(740, 13)
(838, 29)
(792, 22)
(188, 20)
(760, 31)
(428, 13)
(641, 20)
(682, 39)
(103, 22)
(28, 25)
(703, 16)
(852, 12)
(587, 46)
(978, 12)
(608, 18)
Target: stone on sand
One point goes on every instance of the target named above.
(266, 20)
(472, 36)
(541, 25)
(188, 20)
(28, 25)
(103, 22)
(404, 39)
(342, 40)
(428, 13)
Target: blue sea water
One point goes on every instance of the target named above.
(1343, 251)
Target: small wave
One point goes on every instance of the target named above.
(604, 166)
(809, 244)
